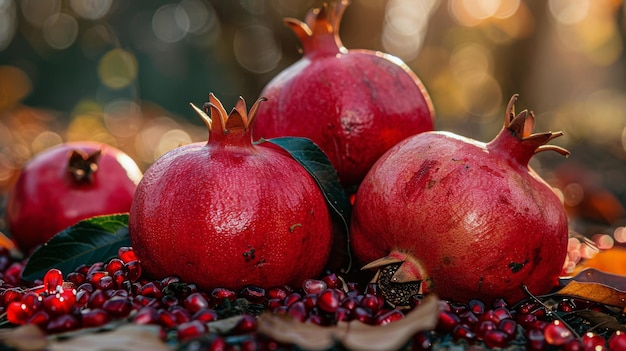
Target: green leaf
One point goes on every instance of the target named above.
(95, 239)
(315, 161)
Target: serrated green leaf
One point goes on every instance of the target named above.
(88, 241)
(315, 161)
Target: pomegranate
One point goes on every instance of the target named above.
(462, 218)
(228, 212)
(354, 104)
(68, 183)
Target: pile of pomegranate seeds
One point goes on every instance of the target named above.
(95, 295)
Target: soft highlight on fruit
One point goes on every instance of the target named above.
(68, 183)
(228, 212)
(354, 104)
(441, 212)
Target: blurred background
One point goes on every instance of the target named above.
(123, 73)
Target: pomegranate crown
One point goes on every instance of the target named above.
(522, 125)
(82, 165)
(320, 22)
(219, 122)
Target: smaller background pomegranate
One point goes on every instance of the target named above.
(65, 184)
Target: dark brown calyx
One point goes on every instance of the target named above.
(81, 165)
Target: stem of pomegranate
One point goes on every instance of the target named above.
(549, 312)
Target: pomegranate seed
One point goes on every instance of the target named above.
(592, 341)
(143, 301)
(498, 303)
(567, 305)
(292, 298)
(151, 289)
(343, 314)
(167, 319)
(274, 303)
(63, 323)
(277, 292)
(17, 313)
(13, 274)
(315, 319)
(118, 307)
(363, 314)
(218, 344)
(502, 313)
(617, 341)
(94, 317)
(254, 294)
(169, 280)
(297, 311)
(86, 287)
(495, 338)
(60, 303)
(195, 302)
(32, 301)
(484, 326)
(374, 289)
(463, 332)
(508, 326)
(577, 345)
(333, 281)
(126, 254)
(121, 280)
(219, 295)
(350, 303)
(76, 278)
(389, 317)
(82, 297)
(146, 315)
(169, 300)
(477, 306)
(114, 265)
(328, 300)
(40, 318)
(458, 308)
(246, 324)
(104, 282)
(313, 286)
(96, 299)
(536, 340)
(371, 301)
(421, 341)
(182, 315)
(526, 320)
(205, 315)
(468, 318)
(557, 334)
(190, 330)
(133, 269)
(96, 267)
(447, 321)
(310, 301)
(11, 295)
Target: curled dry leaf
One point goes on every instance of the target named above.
(353, 335)
(594, 285)
(129, 337)
(27, 337)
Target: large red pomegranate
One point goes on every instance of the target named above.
(445, 213)
(228, 212)
(354, 104)
(65, 184)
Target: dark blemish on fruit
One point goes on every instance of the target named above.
(480, 282)
(503, 200)
(293, 227)
(516, 267)
(249, 255)
(447, 260)
(431, 183)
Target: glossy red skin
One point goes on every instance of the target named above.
(202, 208)
(46, 199)
(478, 221)
(354, 104)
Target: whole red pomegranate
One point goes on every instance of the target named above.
(68, 183)
(228, 212)
(462, 218)
(354, 104)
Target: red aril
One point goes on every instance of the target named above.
(445, 213)
(65, 184)
(229, 213)
(354, 104)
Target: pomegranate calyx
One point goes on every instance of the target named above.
(220, 123)
(81, 166)
(319, 32)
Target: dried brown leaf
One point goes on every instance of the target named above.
(27, 337)
(353, 335)
(595, 292)
(592, 275)
(129, 337)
